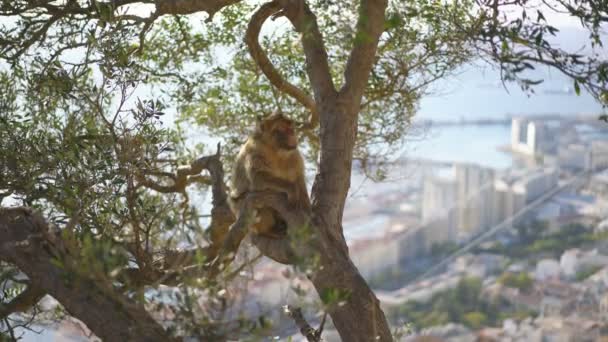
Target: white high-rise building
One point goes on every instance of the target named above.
(584, 156)
(575, 157)
(507, 200)
(537, 183)
(439, 195)
(515, 190)
(528, 137)
(474, 198)
(465, 193)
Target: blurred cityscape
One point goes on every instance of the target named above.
(465, 252)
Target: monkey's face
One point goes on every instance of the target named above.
(284, 135)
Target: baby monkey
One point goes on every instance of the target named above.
(270, 160)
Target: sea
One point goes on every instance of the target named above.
(477, 92)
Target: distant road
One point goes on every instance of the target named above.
(504, 224)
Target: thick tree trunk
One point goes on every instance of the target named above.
(359, 317)
(108, 314)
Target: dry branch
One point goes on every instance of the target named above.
(221, 215)
(311, 334)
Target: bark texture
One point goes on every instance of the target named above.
(112, 318)
(360, 318)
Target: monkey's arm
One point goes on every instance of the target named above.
(261, 178)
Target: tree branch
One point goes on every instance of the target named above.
(370, 26)
(271, 73)
(317, 67)
(108, 314)
(173, 7)
(193, 6)
(311, 334)
(76, 11)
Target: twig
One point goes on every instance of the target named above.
(311, 334)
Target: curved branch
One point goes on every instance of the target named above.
(277, 201)
(278, 250)
(289, 249)
(262, 60)
(304, 21)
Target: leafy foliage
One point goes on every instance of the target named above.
(463, 304)
(521, 281)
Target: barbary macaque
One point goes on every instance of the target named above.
(270, 161)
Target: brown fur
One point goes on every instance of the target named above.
(265, 162)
